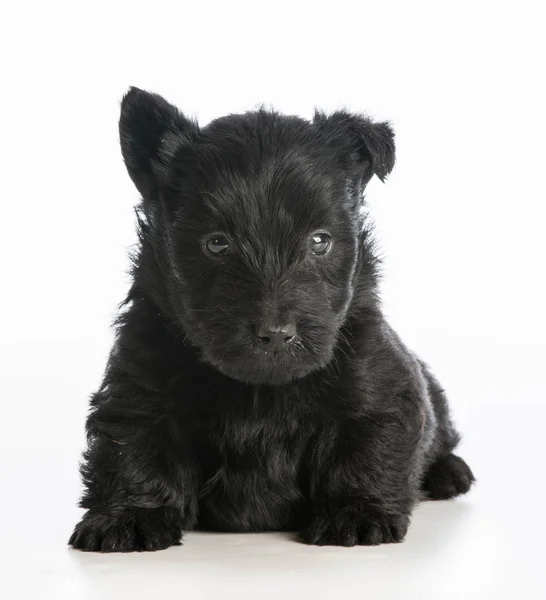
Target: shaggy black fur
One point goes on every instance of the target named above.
(254, 384)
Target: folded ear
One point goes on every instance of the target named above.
(150, 131)
(362, 147)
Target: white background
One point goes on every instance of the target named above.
(460, 224)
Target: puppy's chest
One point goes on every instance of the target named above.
(267, 449)
(252, 474)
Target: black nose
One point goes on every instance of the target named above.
(276, 339)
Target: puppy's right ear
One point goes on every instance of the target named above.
(363, 148)
(151, 130)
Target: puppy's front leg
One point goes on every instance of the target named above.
(140, 479)
(364, 478)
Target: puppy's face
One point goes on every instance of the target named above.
(255, 223)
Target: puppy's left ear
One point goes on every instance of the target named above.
(361, 147)
(151, 131)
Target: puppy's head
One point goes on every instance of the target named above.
(254, 226)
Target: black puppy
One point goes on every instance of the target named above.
(254, 384)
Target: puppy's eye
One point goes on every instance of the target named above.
(320, 243)
(218, 245)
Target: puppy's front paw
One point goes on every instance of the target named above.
(347, 528)
(127, 530)
(383, 529)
